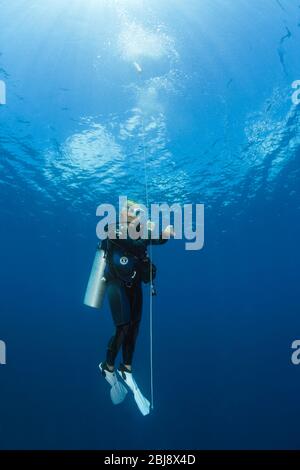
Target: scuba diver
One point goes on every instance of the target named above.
(127, 266)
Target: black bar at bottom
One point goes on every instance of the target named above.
(139, 458)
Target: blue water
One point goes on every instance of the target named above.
(220, 128)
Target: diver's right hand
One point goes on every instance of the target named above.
(169, 232)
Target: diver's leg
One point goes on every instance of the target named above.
(114, 345)
(120, 309)
(136, 305)
(128, 350)
(129, 344)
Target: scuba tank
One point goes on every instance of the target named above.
(95, 290)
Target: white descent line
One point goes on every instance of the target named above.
(151, 274)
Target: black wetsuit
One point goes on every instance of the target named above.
(125, 262)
